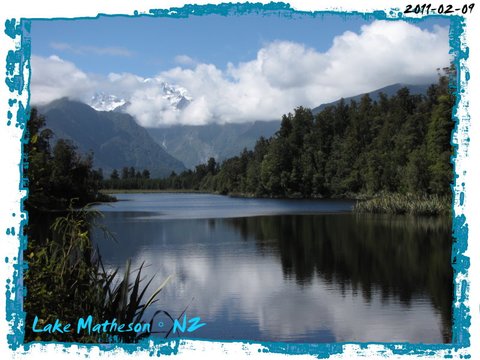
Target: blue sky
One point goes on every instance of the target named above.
(235, 68)
(145, 45)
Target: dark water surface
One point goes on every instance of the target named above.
(287, 270)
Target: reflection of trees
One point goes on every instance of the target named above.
(395, 256)
(401, 256)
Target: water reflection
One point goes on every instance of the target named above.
(393, 256)
(297, 278)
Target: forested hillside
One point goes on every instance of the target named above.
(398, 144)
(115, 139)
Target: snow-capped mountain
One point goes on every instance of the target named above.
(104, 102)
(177, 97)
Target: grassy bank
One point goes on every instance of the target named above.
(405, 204)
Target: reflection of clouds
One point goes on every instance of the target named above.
(238, 284)
(234, 285)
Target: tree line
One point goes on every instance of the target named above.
(56, 176)
(127, 178)
(397, 144)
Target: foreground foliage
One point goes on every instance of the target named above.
(65, 278)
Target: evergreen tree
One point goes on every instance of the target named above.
(114, 175)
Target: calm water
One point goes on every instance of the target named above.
(287, 270)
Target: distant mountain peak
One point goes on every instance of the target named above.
(106, 102)
(177, 96)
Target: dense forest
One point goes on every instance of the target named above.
(56, 176)
(394, 145)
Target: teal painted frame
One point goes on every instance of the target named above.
(20, 57)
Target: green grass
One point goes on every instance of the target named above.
(405, 204)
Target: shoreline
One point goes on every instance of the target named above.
(151, 191)
(397, 204)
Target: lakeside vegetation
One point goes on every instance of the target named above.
(59, 175)
(394, 151)
(405, 204)
(65, 278)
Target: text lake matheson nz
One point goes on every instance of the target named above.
(113, 326)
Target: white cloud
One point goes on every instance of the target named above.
(185, 60)
(53, 78)
(150, 97)
(283, 75)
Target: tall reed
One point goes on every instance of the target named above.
(66, 280)
(405, 204)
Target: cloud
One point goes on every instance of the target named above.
(95, 50)
(282, 76)
(184, 60)
(285, 74)
(150, 97)
(53, 78)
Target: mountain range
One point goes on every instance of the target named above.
(114, 137)
(195, 144)
(375, 95)
(118, 141)
(176, 96)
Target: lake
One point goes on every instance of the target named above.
(269, 270)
